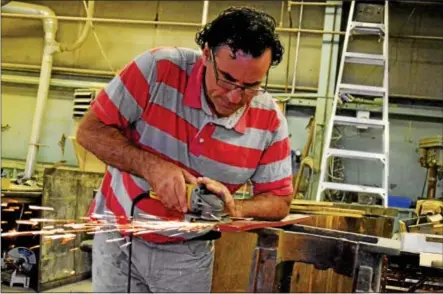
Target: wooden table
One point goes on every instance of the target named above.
(353, 255)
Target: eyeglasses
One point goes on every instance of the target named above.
(230, 86)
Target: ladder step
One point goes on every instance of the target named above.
(362, 90)
(367, 28)
(354, 121)
(355, 154)
(353, 188)
(364, 58)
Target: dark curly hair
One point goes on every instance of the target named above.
(243, 29)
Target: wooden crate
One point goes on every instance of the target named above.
(70, 193)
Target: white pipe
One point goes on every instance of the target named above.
(205, 12)
(63, 83)
(282, 11)
(85, 32)
(297, 49)
(50, 26)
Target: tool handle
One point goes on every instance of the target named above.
(189, 189)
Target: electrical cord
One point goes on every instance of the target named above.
(144, 195)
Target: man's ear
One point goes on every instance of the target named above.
(206, 54)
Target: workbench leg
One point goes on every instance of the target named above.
(368, 274)
(264, 264)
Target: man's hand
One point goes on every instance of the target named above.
(168, 181)
(223, 192)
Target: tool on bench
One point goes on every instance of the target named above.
(203, 205)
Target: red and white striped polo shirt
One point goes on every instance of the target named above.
(159, 103)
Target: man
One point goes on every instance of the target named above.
(175, 116)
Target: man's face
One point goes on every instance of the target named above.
(231, 82)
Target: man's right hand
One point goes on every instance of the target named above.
(169, 181)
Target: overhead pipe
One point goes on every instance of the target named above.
(297, 49)
(282, 12)
(338, 3)
(205, 12)
(64, 83)
(107, 20)
(70, 70)
(288, 62)
(198, 25)
(26, 80)
(50, 26)
(4, 2)
(85, 31)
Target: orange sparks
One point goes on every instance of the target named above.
(61, 236)
(35, 207)
(50, 220)
(125, 245)
(115, 240)
(26, 222)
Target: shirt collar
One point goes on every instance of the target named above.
(194, 97)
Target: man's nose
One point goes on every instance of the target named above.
(235, 96)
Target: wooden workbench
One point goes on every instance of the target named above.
(235, 250)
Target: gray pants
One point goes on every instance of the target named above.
(183, 267)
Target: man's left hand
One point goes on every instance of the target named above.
(223, 192)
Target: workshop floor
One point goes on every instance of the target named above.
(79, 287)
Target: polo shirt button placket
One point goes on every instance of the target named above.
(201, 140)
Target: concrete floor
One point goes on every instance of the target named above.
(84, 286)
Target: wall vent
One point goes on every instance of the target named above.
(82, 101)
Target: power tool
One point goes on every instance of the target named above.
(203, 205)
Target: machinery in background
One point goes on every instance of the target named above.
(301, 161)
(420, 267)
(17, 265)
(429, 208)
(431, 158)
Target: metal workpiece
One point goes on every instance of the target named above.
(349, 254)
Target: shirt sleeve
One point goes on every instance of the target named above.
(274, 173)
(124, 99)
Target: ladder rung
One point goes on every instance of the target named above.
(367, 27)
(354, 154)
(363, 90)
(364, 58)
(353, 188)
(354, 121)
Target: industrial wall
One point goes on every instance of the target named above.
(416, 70)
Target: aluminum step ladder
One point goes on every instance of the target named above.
(367, 28)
